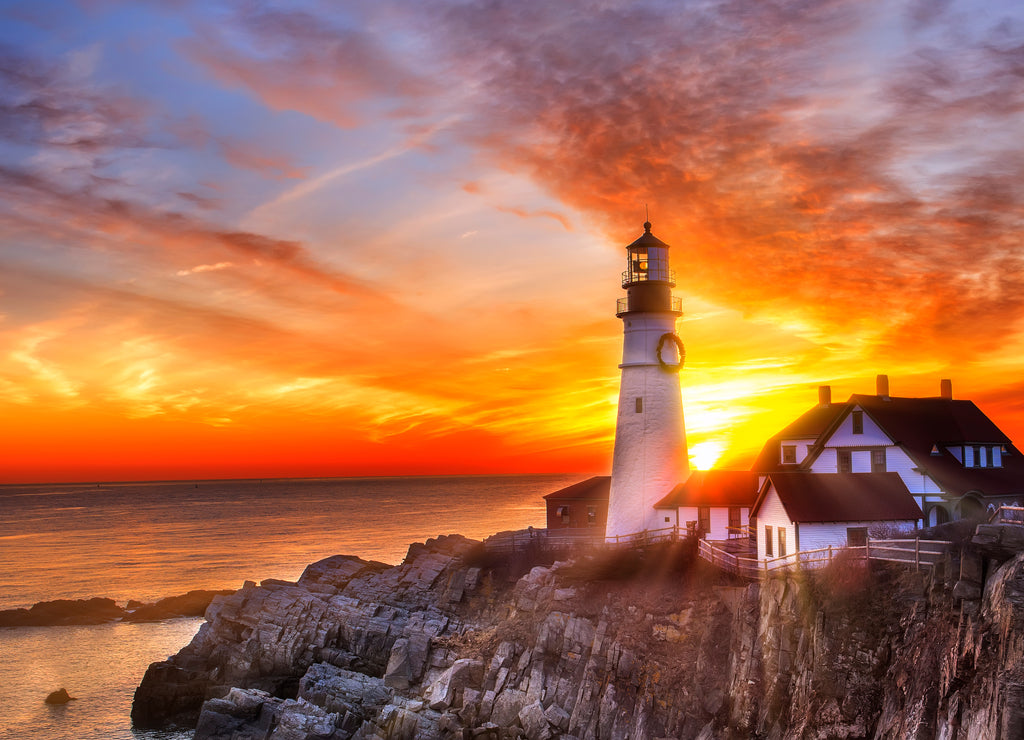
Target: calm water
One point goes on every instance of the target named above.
(146, 541)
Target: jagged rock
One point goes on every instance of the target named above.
(999, 541)
(557, 717)
(353, 697)
(534, 722)
(429, 650)
(238, 716)
(446, 691)
(342, 610)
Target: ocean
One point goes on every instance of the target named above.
(149, 540)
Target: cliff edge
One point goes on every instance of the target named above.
(456, 642)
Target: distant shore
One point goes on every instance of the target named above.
(65, 612)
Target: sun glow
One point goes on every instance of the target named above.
(704, 455)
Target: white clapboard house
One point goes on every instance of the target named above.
(953, 459)
(797, 511)
(715, 504)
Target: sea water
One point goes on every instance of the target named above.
(149, 540)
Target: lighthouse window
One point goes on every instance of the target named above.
(640, 405)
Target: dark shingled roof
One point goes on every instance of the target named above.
(713, 488)
(918, 424)
(841, 497)
(808, 426)
(592, 489)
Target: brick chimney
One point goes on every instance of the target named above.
(946, 388)
(824, 395)
(882, 386)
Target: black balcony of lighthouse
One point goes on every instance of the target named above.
(648, 280)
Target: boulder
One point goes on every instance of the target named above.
(60, 696)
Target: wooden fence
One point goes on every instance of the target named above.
(586, 537)
(1008, 515)
(917, 552)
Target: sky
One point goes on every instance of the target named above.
(243, 239)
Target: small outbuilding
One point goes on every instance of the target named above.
(807, 511)
(714, 503)
(581, 505)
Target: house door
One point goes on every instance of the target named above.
(734, 521)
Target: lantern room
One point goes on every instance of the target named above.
(647, 260)
(647, 279)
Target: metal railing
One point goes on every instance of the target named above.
(642, 276)
(1007, 515)
(622, 304)
(917, 552)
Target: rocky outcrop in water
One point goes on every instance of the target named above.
(99, 610)
(454, 643)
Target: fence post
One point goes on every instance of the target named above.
(867, 547)
(766, 565)
(917, 554)
(830, 554)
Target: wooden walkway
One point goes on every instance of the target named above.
(916, 552)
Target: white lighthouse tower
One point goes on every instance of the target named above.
(650, 440)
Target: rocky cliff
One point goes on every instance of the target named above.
(458, 643)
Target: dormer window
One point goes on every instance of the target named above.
(983, 456)
(789, 454)
(857, 420)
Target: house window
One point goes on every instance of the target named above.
(844, 461)
(789, 454)
(667, 520)
(877, 461)
(639, 405)
(857, 419)
(979, 457)
(856, 536)
(563, 512)
(734, 520)
(768, 551)
(782, 542)
(591, 516)
(704, 519)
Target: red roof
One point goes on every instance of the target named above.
(592, 489)
(841, 497)
(713, 488)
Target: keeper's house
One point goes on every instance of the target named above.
(714, 504)
(797, 511)
(952, 458)
(580, 505)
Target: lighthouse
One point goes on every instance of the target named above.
(650, 455)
